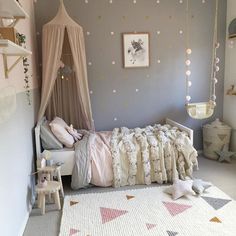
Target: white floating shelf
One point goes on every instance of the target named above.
(9, 48)
(13, 8)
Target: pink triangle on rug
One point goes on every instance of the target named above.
(150, 226)
(175, 208)
(73, 231)
(109, 214)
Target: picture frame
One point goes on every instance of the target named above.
(136, 50)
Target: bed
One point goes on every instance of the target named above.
(99, 174)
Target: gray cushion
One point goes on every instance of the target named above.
(48, 139)
(199, 186)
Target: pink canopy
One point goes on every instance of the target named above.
(63, 41)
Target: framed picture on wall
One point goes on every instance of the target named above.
(136, 52)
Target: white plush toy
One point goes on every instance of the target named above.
(180, 188)
(77, 136)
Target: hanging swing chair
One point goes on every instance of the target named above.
(202, 110)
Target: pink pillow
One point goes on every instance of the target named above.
(59, 121)
(59, 129)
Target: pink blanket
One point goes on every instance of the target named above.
(101, 160)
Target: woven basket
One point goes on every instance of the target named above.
(215, 136)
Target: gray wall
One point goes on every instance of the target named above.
(161, 86)
(17, 162)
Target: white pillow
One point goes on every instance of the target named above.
(59, 121)
(58, 127)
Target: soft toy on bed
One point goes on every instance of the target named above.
(77, 136)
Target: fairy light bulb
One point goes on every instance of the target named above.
(215, 80)
(188, 62)
(217, 68)
(213, 97)
(217, 60)
(188, 98)
(217, 45)
(188, 72)
(189, 51)
(214, 103)
(62, 77)
(189, 83)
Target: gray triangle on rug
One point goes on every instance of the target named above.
(171, 233)
(216, 203)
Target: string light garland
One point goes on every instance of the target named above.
(64, 71)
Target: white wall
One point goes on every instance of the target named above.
(230, 75)
(16, 139)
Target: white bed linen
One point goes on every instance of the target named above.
(65, 155)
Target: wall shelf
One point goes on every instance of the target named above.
(12, 8)
(7, 49)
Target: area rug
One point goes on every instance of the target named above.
(148, 211)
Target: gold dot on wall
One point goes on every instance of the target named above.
(123, 17)
(99, 17)
(126, 105)
(147, 17)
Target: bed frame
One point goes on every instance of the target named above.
(67, 155)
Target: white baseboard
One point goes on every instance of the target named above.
(22, 228)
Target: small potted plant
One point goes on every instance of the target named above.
(21, 39)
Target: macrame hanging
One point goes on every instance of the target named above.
(202, 110)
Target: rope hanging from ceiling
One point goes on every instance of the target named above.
(202, 110)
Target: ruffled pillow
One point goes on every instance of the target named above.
(59, 129)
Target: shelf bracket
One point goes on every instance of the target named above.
(7, 69)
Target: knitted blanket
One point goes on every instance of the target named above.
(152, 154)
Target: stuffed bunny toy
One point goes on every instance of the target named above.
(77, 136)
